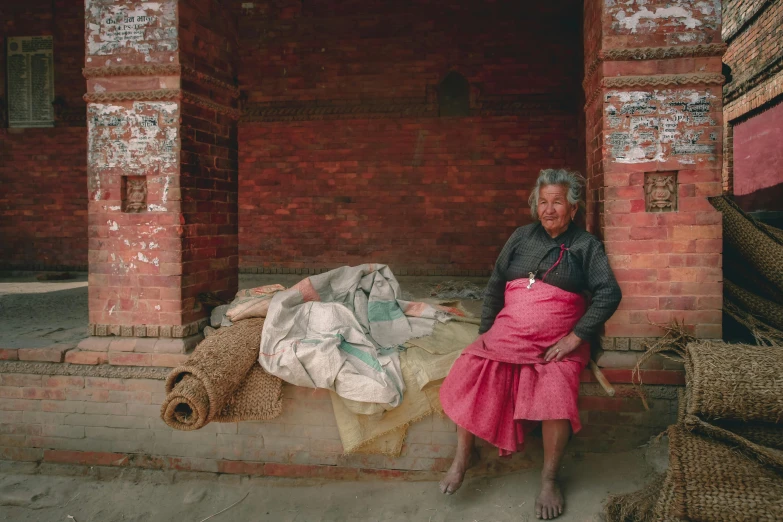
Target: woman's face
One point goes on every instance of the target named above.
(554, 210)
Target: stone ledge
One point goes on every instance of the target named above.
(140, 345)
(9, 354)
(53, 353)
(625, 343)
(628, 360)
(146, 330)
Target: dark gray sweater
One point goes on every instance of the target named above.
(583, 269)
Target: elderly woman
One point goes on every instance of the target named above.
(533, 344)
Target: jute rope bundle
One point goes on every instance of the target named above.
(762, 248)
(770, 312)
(734, 382)
(737, 269)
(764, 334)
(222, 381)
(763, 434)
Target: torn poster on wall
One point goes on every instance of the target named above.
(143, 27)
(658, 125)
(140, 140)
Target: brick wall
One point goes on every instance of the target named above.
(43, 202)
(208, 163)
(43, 171)
(109, 421)
(653, 108)
(424, 195)
(754, 58)
(755, 37)
(343, 158)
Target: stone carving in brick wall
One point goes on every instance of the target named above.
(660, 191)
(135, 194)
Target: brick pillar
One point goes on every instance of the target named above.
(654, 153)
(162, 166)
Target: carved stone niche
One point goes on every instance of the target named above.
(660, 191)
(134, 194)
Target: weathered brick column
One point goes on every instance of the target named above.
(162, 171)
(654, 144)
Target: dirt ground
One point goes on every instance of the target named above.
(50, 495)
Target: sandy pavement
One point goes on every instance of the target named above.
(45, 494)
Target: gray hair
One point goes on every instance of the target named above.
(573, 181)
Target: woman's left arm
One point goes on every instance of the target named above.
(606, 298)
(604, 289)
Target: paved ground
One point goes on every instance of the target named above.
(140, 495)
(37, 314)
(41, 313)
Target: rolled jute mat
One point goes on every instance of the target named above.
(761, 433)
(756, 242)
(734, 382)
(771, 312)
(737, 269)
(222, 381)
(713, 475)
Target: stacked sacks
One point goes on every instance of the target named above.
(725, 461)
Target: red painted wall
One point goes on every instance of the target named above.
(758, 161)
(422, 193)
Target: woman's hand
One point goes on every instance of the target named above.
(563, 347)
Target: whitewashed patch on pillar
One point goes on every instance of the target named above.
(131, 26)
(130, 139)
(659, 125)
(678, 21)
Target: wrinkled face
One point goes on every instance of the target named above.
(554, 210)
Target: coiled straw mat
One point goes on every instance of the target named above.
(770, 312)
(222, 381)
(713, 475)
(755, 242)
(734, 382)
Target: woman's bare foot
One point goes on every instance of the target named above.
(550, 502)
(456, 473)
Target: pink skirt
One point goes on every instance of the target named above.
(502, 402)
(500, 387)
